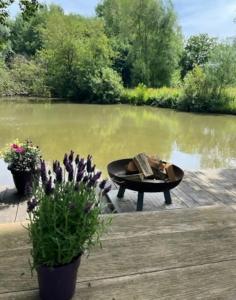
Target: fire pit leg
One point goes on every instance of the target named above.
(121, 192)
(167, 196)
(140, 201)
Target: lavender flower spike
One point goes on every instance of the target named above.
(77, 159)
(43, 171)
(31, 204)
(71, 156)
(59, 175)
(48, 186)
(89, 164)
(97, 176)
(102, 184)
(79, 176)
(65, 160)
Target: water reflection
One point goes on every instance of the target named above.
(110, 132)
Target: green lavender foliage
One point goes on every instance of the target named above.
(65, 224)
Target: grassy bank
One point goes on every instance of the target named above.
(174, 98)
(163, 97)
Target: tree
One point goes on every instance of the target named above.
(150, 32)
(205, 86)
(28, 8)
(76, 54)
(196, 52)
(221, 68)
(25, 35)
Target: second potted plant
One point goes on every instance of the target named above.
(23, 160)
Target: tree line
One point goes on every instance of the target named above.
(45, 52)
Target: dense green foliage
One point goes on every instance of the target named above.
(146, 56)
(205, 87)
(175, 98)
(131, 43)
(196, 52)
(65, 56)
(28, 8)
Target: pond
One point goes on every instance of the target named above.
(110, 132)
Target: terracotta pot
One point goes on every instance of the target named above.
(58, 283)
(24, 181)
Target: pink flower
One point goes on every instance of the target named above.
(20, 150)
(14, 146)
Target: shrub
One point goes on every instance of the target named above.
(162, 97)
(7, 86)
(29, 76)
(195, 94)
(106, 86)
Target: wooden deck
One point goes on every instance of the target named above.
(199, 188)
(182, 254)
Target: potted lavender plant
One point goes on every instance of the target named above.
(65, 222)
(23, 160)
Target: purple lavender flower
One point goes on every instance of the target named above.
(89, 163)
(81, 165)
(85, 179)
(93, 179)
(77, 159)
(48, 186)
(71, 156)
(43, 171)
(106, 190)
(93, 168)
(102, 184)
(65, 160)
(97, 176)
(59, 175)
(91, 183)
(55, 165)
(79, 176)
(69, 167)
(71, 175)
(31, 204)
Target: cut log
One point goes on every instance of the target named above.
(131, 168)
(160, 174)
(141, 162)
(170, 172)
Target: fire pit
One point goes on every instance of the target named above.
(117, 172)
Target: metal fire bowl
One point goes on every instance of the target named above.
(118, 168)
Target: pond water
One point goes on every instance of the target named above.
(110, 132)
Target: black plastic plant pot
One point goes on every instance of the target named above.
(58, 283)
(24, 181)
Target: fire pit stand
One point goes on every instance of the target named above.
(117, 171)
(167, 196)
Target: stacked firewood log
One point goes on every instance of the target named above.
(144, 167)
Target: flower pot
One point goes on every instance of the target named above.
(58, 283)
(24, 181)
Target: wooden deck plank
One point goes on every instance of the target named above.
(220, 193)
(200, 196)
(139, 254)
(14, 236)
(206, 282)
(206, 236)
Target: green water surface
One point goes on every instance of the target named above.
(192, 141)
